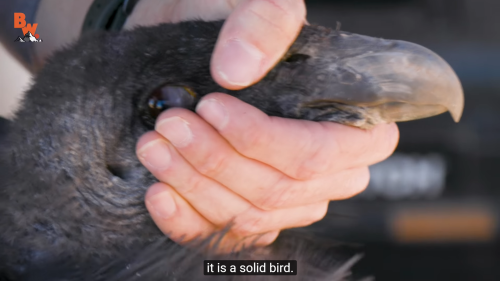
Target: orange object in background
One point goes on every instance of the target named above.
(444, 225)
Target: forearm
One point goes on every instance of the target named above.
(59, 23)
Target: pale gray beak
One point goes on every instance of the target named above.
(380, 81)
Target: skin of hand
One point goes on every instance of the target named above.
(230, 162)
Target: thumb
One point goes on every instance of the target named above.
(253, 39)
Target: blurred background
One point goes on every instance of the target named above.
(431, 211)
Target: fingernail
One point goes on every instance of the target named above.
(176, 130)
(214, 112)
(241, 64)
(162, 204)
(155, 155)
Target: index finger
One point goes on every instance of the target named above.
(299, 148)
(254, 37)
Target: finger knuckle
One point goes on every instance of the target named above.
(318, 154)
(253, 139)
(248, 225)
(318, 163)
(276, 196)
(192, 185)
(213, 164)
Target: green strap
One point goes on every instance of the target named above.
(107, 14)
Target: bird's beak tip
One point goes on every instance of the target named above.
(456, 99)
(456, 114)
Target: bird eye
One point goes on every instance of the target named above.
(169, 96)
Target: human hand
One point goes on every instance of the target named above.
(233, 163)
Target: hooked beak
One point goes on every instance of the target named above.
(390, 80)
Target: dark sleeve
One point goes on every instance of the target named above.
(22, 51)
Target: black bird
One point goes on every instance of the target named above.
(71, 187)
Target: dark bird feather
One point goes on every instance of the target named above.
(72, 189)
